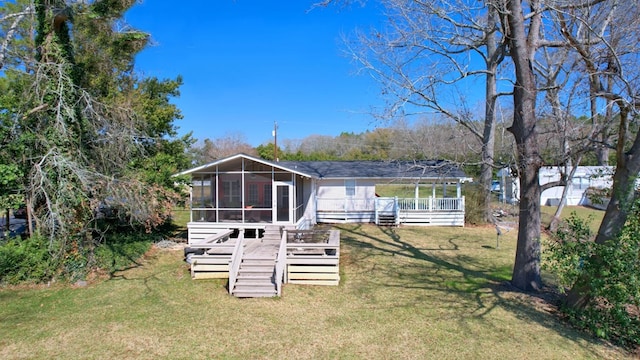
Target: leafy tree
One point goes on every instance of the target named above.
(613, 268)
(87, 133)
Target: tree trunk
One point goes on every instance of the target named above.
(494, 57)
(488, 146)
(526, 271)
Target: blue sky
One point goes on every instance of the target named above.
(247, 64)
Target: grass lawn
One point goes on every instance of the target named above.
(405, 293)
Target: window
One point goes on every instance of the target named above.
(267, 195)
(350, 188)
(202, 191)
(580, 183)
(231, 193)
(252, 198)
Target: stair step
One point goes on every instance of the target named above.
(254, 294)
(254, 282)
(262, 263)
(256, 269)
(254, 276)
(261, 288)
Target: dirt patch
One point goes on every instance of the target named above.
(169, 245)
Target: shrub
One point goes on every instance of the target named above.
(26, 260)
(474, 204)
(613, 270)
(30, 260)
(566, 252)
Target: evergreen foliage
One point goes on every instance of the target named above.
(88, 145)
(614, 271)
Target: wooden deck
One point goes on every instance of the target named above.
(251, 264)
(314, 261)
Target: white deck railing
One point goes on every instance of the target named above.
(431, 204)
(281, 261)
(234, 263)
(403, 204)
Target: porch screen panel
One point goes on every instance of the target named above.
(268, 195)
(203, 191)
(204, 215)
(256, 195)
(252, 195)
(229, 191)
(299, 204)
(197, 196)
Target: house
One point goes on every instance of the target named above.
(252, 220)
(245, 193)
(585, 177)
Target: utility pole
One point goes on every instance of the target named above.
(275, 141)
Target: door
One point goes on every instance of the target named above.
(283, 206)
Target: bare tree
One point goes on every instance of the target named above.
(230, 144)
(11, 25)
(427, 50)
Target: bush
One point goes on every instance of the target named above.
(26, 260)
(474, 204)
(31, 260)
(613, 270)
(567, 251)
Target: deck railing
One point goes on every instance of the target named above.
(431, 204)
(281, 261)
(234, 263)
(403, 204)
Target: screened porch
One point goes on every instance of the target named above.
(246, 191)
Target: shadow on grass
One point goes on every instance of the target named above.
(426, 270)
(127, 253)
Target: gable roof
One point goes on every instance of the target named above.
(426, 169)
(234, 157)
(423, 169)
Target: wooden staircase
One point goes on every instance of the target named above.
(257, 270)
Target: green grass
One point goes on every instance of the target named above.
(405, 293)
(180, 217)
(408, 190)
(580, 211)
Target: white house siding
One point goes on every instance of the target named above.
(309, 216)
(331, 193)
(585, 177)
(335, 206)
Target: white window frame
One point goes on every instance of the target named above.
(350, 188)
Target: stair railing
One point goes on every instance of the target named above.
(281, 261)
(234, 263)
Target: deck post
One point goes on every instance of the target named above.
(416, 195)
